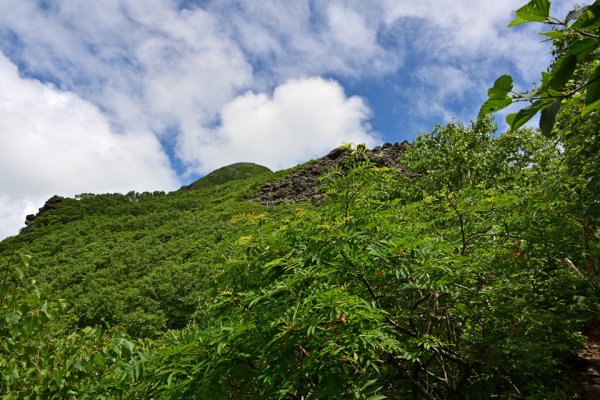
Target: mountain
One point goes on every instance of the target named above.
(145, 261)
(229, 173)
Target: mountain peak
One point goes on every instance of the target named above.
(237, 171)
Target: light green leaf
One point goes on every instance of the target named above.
(25, 258)
(546, 78)
(493, 105)
(44, 310)
(534, 11)
(554, 34)
(12, 317)
(589, 108)
(502, 86)
(498, 95)
(516, 120)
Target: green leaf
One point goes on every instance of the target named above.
(546, 78)
(20, 273)
(44, 310)
(502, 86)
(554, 34)
(589, 17)
(516, 120)
(12, 317)
(548, 118)
(563, 71)
(498, 95)
(25, 258)
(493, 105)
(368, 383)
(594, 106)
(582, 48)
(592, 93)
(534, 11)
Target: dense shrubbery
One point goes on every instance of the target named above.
(435, 285)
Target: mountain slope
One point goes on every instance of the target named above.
(142, 260)
(148, 261)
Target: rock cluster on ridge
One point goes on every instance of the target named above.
(50, 204)
(302, 183)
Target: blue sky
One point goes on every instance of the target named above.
(119, 95)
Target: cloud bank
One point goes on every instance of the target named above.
(92, 89)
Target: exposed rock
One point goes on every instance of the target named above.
(51, 204)
(302, 183)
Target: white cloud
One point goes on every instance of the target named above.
(438, 90)
(460, 47)
(53, 142)
(303, 37)
(303, 118)
(203, 73)
(148, 64)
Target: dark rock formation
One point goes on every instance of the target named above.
(302, 183)
(51, 204)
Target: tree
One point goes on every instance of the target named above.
(576, 38)
(39, 357)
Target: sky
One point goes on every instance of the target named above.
(111, 96)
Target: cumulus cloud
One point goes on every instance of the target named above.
(166, 68)
(53, 142)
(302, 119)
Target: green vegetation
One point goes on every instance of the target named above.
(143, 261)
(229, 173)
(471, 274)
(575, 73)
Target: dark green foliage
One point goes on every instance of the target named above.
(457, 278)
(39, 357)
(448, 282)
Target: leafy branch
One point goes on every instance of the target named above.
(579, 29)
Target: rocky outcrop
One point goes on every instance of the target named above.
(302, 184)
(51, 204)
